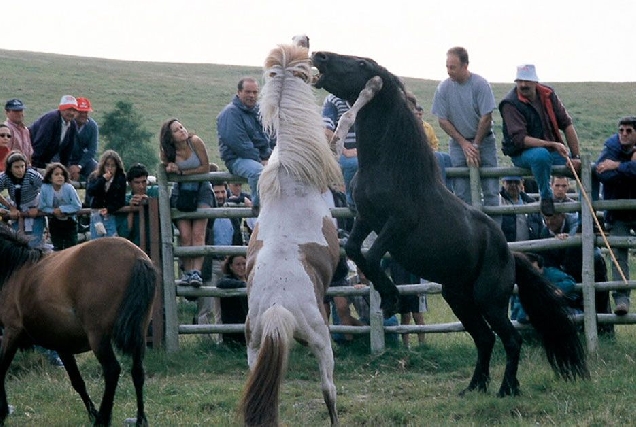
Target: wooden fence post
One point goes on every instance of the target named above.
(169, 290)
(475, 187)
(588, 247)
(376, 321)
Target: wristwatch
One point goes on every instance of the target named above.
(576, 156)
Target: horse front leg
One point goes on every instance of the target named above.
(353, 245)
(370, 264)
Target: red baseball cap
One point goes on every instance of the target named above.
(83, 104)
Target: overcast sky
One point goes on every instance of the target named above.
(568, 41)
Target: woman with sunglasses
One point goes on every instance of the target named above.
(5, 144)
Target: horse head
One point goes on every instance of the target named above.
(14, 252)
(346, 76)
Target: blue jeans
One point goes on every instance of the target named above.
(621, 228)
(349, 166)
(444, 161)
(110, 224)
(540, 161)
(37, 231)
(251, 170)
(488, 158)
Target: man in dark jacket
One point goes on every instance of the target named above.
(243, 144)
(518, 227)
(53, 134)
(532, 117)
(616, 169)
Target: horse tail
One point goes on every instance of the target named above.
(259, 405)
(548, 313)
(129, 330)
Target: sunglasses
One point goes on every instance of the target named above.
(621, 130)
(5, 135)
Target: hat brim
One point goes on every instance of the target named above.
(67, 107)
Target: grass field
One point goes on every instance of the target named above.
(196, 93)
(202, 383)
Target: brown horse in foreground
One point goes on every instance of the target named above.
(82, 298)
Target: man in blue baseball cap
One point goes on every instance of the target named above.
(21, 140)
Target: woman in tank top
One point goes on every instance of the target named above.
(184, 153)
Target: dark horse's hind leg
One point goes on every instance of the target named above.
(78, 383)
(111, 370)
(467, 312)
(370, 265)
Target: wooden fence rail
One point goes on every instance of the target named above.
(587, 240)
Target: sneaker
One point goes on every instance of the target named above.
(547, 206)
(54, 359)
(621, 309)
(185, 278)
(195, 278)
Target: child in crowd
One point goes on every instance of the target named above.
(106, 190)
(23, 185)
(59, 198)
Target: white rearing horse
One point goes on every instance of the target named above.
(294, 249)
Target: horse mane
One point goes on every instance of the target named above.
(289, 111)
(15, 253)
(403, 151)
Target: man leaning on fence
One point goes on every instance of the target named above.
(616, 169)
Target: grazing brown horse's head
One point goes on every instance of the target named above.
(14, 252)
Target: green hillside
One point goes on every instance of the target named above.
(196, 93)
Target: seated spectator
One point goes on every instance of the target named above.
(533, 116)
(244, 146)
(128, 223)
(233, 309)
(518, 227)
(82, 161)
(564, 283)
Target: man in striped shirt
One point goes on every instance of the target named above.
(332, 110)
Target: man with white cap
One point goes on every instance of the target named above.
(14, 109)
(82, 161)
(53, 134)
(532, 116)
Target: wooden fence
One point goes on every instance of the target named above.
(587, 239)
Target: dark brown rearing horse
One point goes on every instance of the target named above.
(435, 235)
(83, 298)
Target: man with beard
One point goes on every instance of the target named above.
(533, 116)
